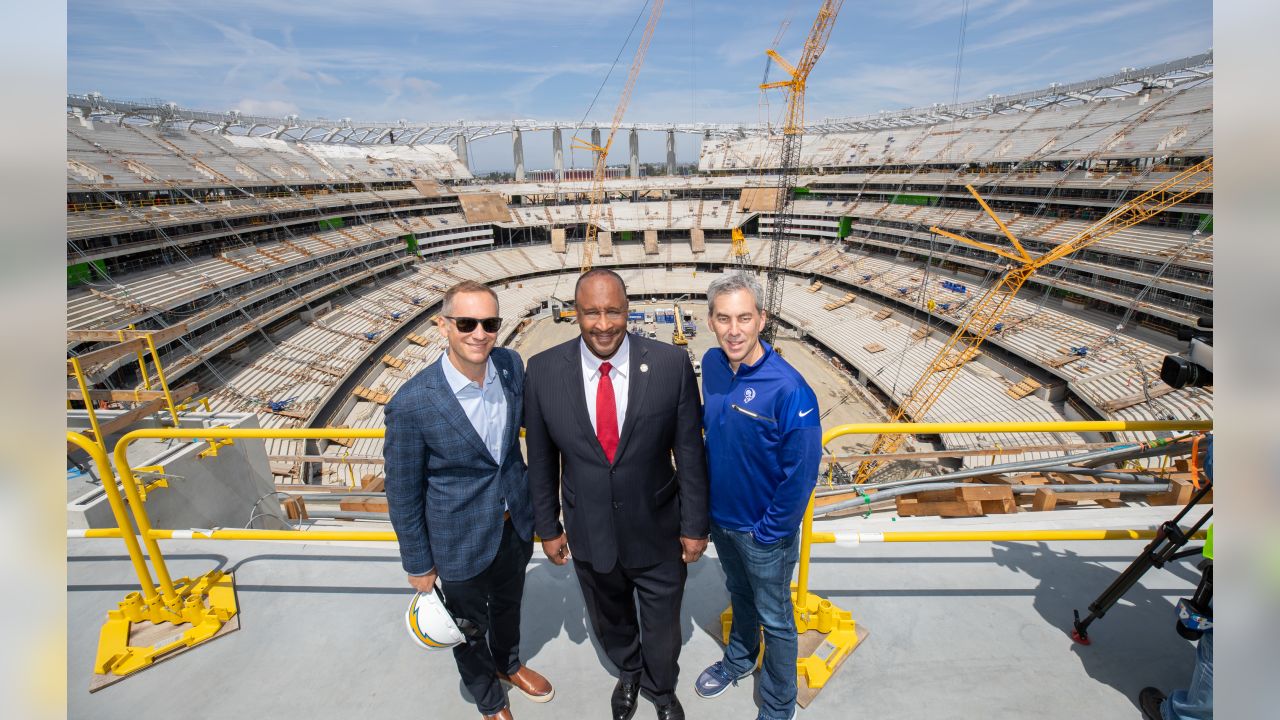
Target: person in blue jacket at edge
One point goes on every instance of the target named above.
(764, 443)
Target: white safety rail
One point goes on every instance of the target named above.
(1139, 241)
(136, 296)
(639, 216)
(105, 219)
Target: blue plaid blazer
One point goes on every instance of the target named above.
(444, 489)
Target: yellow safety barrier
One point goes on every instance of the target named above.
(208, 602)
(204, 605)
(815, 613)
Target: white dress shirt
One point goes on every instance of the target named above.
(621, 362)
(485, 406)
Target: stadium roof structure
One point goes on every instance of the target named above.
(346, 131)
(1128, 82)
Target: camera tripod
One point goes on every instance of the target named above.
(1165, 547)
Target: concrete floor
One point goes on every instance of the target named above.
(957, 631)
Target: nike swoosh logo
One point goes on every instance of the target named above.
(806, 412)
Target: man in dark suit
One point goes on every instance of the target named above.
(458, 493)
(604, 415)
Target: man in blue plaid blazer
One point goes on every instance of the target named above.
(458, 493)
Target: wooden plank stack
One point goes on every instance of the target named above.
(1022, 389)
(848, 298)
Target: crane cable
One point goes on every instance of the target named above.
(607, 75)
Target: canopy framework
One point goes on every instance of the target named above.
(1128, 82)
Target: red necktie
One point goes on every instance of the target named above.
(606, 413)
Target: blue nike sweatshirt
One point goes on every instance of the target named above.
(764, 443)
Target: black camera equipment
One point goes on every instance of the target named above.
(1195, 368)
(1195, 614)
(1165, 547)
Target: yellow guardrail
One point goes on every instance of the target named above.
(808, 537)
(149, 534)
(206, 603)
(841, 630)
(118, 511)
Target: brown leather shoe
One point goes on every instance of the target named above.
(530, 684)
(503, 714)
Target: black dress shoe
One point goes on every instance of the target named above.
(671, 711)
(1149, 701)
(625, 695)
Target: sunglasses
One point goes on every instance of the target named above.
(468, 324)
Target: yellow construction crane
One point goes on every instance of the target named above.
(741, 254)
(984, 320)
(792, 130)
(677, 335)
(602, 151)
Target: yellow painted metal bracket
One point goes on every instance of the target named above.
(207, 603)
(161, 480)
(214, 444)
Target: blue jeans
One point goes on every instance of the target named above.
(1196, 702)
(759, 580)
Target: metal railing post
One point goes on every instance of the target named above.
(118, 511)
(167, 592)
(164, 384)
(88, 404)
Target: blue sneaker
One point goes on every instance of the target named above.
(716, 679)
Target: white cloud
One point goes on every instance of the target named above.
(270, 108)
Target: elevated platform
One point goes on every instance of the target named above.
(956, 630)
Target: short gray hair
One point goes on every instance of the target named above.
(733, 283)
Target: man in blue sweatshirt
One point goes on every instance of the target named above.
(764, 443)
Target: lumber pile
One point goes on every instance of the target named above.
(994, 494)
(848, 298)
(959, 502)
(372, 395)
(1022, 389)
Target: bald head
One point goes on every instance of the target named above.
(595, 275)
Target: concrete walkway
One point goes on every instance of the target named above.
(970, 630)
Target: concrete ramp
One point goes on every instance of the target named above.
(759, 200)
(484, 207)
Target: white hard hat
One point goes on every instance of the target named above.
(430, 623)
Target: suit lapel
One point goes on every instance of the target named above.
(578, 398)
(639, 378)
(451, 410)
(505, 379)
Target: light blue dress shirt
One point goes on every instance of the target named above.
(485, 407)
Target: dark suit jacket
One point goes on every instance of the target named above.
(634, 510)
(444, 489)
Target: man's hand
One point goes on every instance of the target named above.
(423, 583)
(557, 549)
(692, 549)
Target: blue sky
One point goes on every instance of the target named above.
(504, 59)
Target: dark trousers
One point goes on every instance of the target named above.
(613, 599)
(491, 600)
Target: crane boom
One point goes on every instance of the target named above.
(963, 344)
(601, 152)
(792, 132)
